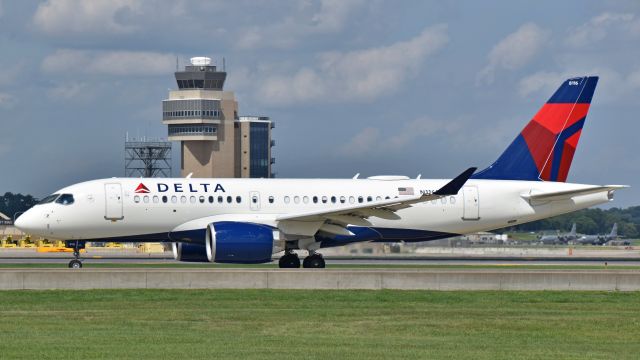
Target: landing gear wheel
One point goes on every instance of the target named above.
(289, 261)
(315, 261)
(75, 264)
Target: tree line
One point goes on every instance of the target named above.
(590, 221)
(12, 204)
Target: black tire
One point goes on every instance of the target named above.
(289, 261)
(75, 264)
(314, 262)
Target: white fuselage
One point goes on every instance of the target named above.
(110, 209)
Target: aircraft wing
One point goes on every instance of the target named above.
(357, 214)
(568, 194)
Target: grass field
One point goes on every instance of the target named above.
(269, 324)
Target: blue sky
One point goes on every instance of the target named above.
(375, 87)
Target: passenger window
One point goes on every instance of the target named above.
(210, 199)
(156, 199)
(352, 200)
(136, 199)
(452, 199)
(183, 199)
(324, 199)
(333, 199)
(174, 199)
(287, 200)
(164, 199)
(145, 199)
(271, 199)
(254, 199)
(369, 199)
(315, 199)
(296, 199)
(220, 199)
(238, 199)
(360, 199)
(305, 199)
(201, 199)
(192, 199)
(443, 200)
(229, 199)
(386, 198)
(342, 199)
(378, 198)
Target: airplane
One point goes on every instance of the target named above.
(599, 239)
(560, 239)
(248, 220)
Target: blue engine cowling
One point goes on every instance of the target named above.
(238, 242)
(190, 252)
(229, 242)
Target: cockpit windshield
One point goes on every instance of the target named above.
(48, 199)
(65, 199)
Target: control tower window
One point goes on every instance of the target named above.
(48, 199)
(65, 199)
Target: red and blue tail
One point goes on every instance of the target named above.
(545, 147)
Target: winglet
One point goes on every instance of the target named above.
(453, 186)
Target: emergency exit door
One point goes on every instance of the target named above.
(471, 209)
(113, 202)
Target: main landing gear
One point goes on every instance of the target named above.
(76, 263)
(290, 260)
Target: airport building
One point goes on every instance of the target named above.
(215, 142)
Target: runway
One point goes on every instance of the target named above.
(63, 258)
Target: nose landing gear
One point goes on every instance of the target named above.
(76, 263)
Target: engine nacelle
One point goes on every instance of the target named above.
(190, 252)
(239, 242)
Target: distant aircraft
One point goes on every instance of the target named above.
(249, 220)
(600, 239)
(560, 239)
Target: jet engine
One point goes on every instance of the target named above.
(230, 242)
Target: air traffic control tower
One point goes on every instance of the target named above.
(214, 141)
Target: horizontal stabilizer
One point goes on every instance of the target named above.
(568, 194)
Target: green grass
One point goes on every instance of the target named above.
(506, 266)
(271, 324)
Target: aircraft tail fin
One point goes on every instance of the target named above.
(614, 231)
(544, 148)
(573, 230)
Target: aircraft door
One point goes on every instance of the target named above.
(471, 209)
(113, 202)
(254, 198)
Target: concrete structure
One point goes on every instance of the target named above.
(430, 279)
(214, 141)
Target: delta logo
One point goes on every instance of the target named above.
(141, 189)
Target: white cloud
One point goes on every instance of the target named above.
(355, 75)
(61, 17)
(331, 16)
(613, 86)
(117, 63)
(362, 142)
(7, 100)
(75, 91)
(368, 139)
(515, 51)
(598, 27)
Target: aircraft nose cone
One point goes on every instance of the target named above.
(24, 222)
